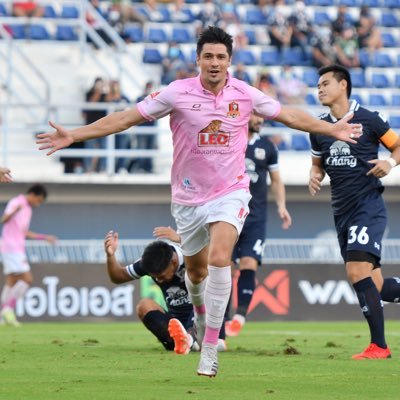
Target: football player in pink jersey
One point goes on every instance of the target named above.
(209, 116)
(16, 220)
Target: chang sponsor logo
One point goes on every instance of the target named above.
(340, 155)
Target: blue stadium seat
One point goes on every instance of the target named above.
(3, 10)
(324, 3)
(166, 16)
(379, 80)
(371, 3)
(49, 12)
(181, 35)
(300, 142)
(245, 57)
(377, 100)
(365, 59)
(395, 121)
(69, 12)
(382, 60)
(388, 39)
(152, 56)
(254, 16)
(66, 32)
(322, 18)
(389, 20)
(37, 32)
(396, 100)
(310, 99)
(310, 77)
(391, 3)
(134, 34)
(357, 78)
(251, 36)
(292, 56)
(270, 57)
(357, 98)
(157, 35)
(397, 81)
(17, 31)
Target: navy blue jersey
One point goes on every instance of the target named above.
(261, 157)
(175, 293)
(347, 164)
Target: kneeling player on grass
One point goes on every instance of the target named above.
(163, 262)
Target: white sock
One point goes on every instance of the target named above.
(196, 291)
(218, 291)
(4, 294)
(15, 293)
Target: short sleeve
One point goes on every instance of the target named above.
(263, 105)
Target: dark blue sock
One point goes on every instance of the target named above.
(391, 290)
(157, 323)
(372, 308)
(246, 285)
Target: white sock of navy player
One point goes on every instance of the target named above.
(196, 294)
(217, 295)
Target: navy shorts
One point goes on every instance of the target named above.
(362, 228)
(251, 241)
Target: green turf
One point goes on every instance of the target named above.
(294, 360)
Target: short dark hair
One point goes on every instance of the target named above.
(38, 190)
(156, 257)
(213, 34)
(339, 73)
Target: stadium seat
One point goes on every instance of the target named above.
(66, 32)
(251, 36)
(380, 81)
(389, 20)
(254, 16)
(69, 12)
(270, 57)
(166, 15)
(395, 121)
(151, 56)
(245, 57)
(134, 33)
(310, 99)
(396, 100)
(49, 12)
(388, 39)
(391, 3)
(377, 100)
(37, 32)
(371, 3)
(382, 60)
(3, 10)
(322, 18)
(365, 59)
(292, 56)
(181, 35)
(17, 31)
(397, 81)
(300, 142)
(357, 78)
(157, 35)
(357, 98)
(310, 77)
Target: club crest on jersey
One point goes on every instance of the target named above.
(154, 94)
(233, 110)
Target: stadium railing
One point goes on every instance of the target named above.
(277, 251)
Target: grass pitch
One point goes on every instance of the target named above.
(272, 360)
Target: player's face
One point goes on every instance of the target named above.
(36, 201)
(213, 62)
(168, 274)
(330, 90)
(255, 123)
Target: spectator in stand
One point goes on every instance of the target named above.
(291, 89)
(346, 46)
(301, 27)
(173, 65)
(27, 9)
(279, 30)
(242, 74)
(265, 83)
(180, 13)
(93, 20)
(368, 33)
(122, 141)
(209, 15)
(144, 141)
(96, 94)
(323, 52)
(342, 21)
(152, 10)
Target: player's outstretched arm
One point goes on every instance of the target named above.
(112, 123)
(301, 120)
(5, 175)
(115, 270)
(41, 236)
(317, 175)
(166, 232)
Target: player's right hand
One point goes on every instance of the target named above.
(314, 185)
(56, 140)
(111, 243)
(166, 232)
(5, 175)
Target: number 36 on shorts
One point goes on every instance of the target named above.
(358, 234)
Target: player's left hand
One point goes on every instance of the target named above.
(166, 232)
(381, 168)
(111, 243)
(347, 132)
(5, 175)
(285, 217)
(51, 239)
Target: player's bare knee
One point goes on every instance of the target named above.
(144, 306)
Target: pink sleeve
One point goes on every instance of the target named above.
(11, 205)
(263, 105)
(159, 104)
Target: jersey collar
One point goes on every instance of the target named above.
(202, 89)
(353, 107)
(254, 138)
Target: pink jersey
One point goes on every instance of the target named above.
(14, 231)
(209, 135)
